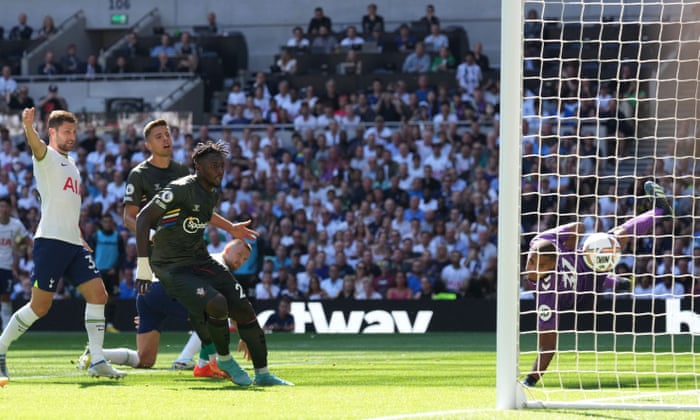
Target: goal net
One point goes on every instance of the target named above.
(602, 96)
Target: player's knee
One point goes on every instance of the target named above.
(146, 359)
(217, 307)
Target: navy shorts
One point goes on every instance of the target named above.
(6, 280)
(155, 306)
(54, 259)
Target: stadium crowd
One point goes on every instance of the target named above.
(384, 193)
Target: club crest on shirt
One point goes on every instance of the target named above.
(195, 208)
(192, 225)
(544, 312)
(200, 292)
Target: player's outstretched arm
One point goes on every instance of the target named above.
(35, 143)
(237, 230)
(547, 349)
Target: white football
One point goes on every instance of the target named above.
(601, 252)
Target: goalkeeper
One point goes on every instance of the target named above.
(563, 282)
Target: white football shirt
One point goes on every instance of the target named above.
(8, 233)
(58, 183)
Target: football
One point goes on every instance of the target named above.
(601, 252)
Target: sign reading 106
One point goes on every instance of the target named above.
(119, 4)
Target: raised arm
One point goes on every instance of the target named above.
(35, 143)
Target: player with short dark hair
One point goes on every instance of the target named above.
(142, 184)
(59, 249)
(180, 213)
(563, 281)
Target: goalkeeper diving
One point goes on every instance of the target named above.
(564, 282)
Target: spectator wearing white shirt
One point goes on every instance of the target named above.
(305, 120)
(352, 39)
(283, 98)
(455, 276)
(379, 130)
(435, 40)
(325, 119)
(8, 86)
(644, 288)
(236, 96)
(367, 292)
(297, 40)
(437, 160)
(333, 284)
(668, 288)
(96, 159)
(266, 290)
(445, 115)
(468, 76)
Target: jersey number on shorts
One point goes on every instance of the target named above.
(91, 264)
(241, 294)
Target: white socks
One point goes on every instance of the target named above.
(5, 313)
(95, 327)
(191, 348)
(122, 356)
(18, 325)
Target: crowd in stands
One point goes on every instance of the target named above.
(384, 193)
(389, 193)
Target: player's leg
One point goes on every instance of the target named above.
(50, 262)
(5, 303)
(185, 361)
(86, 279)
(111, 282)
(147, 344)
(241, 311)
(190, 286)
(643, 224)
(547, 343)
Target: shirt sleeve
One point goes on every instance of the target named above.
(133, 192)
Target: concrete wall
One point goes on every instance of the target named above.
(90, 96)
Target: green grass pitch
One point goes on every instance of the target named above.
(447, 376)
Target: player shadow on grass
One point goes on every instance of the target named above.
(582, 413)
(651, 383)
(101, 382)
(227, 385)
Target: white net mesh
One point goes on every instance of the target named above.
(610, 100)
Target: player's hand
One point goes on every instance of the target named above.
(243, 348)
(242, 231)
(136, 321)
(28, 117)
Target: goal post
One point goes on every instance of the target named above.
(598, 97)
(507, 321)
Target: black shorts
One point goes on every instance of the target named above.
(195, 285)
(111, 282)
(6, 280)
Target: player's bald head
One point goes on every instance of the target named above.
(236, 252)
